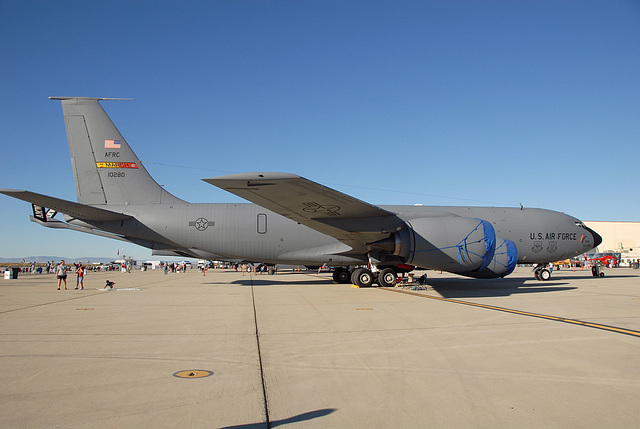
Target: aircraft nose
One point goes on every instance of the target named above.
(596, 237)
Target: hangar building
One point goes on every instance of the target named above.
(618, 237)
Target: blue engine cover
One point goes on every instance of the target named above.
(503, 263)
(451, 243)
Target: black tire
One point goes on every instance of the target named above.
(362, 277)
(545, 275)
(353, 275)
(387, 277)
(341, 275)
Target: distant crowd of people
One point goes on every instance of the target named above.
(175, 267)
(50, 268)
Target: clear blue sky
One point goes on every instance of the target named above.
(394, 102)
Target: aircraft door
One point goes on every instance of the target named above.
(262, 223)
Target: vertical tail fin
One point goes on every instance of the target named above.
(105, 169)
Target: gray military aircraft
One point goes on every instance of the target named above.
(294, 220)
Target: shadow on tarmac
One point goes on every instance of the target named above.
(295, 419)
(447, 287)
(478, 288)
(456, 287)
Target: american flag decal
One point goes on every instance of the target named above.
(112, 144)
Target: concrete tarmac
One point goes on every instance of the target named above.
(296, 350)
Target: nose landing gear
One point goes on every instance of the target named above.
(542, 272)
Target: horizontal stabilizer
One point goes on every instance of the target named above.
(79, 211)
(58, 224)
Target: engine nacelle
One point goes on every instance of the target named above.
(449, 243)
(503, 263)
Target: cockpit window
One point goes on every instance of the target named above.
(580, 224)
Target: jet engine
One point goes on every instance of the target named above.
(448, 243)
(503, 263)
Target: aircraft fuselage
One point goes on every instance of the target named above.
(250, 232)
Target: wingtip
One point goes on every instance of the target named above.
(7, 191)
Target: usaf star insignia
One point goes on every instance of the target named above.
(201, 223)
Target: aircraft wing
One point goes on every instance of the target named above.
(77, 210)
(349, 220)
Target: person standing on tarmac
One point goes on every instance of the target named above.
(61, 272)
(80, 280)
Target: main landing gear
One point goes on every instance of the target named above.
(342, 275)
(387, 277)
(363, 277)
(542, 272)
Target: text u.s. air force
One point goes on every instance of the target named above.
(566, 236)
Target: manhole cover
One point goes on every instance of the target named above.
(193, 373)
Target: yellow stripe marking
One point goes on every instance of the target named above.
(116, 165)
(523, 313)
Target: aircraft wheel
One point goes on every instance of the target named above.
(387, 277)
(353, 276)
(362, 277)
(545, 275)
(341, 275)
